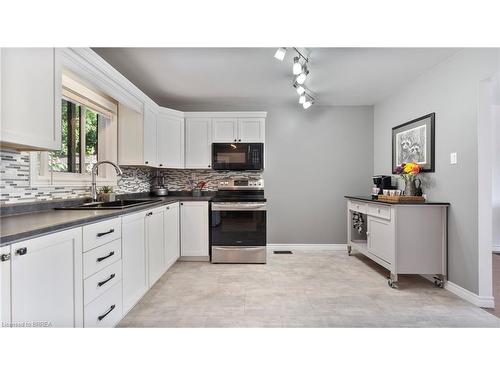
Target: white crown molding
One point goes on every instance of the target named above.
(260, 114)
(306, 247)
(170, 112)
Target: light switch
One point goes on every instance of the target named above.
(453, 158)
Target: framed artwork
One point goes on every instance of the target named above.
(413, 142)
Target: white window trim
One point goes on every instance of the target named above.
(107, 136)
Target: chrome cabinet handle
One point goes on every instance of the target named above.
(101, 317)
(22, 251)
(105, 233)
(101, 283)
(149, 214)
(100, 259)
(4, 257)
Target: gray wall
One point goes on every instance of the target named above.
(314, 158)
(451, 90)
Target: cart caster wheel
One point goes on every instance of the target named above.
(392, 284)
(438, 283)
(349, 252)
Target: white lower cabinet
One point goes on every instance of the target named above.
(91, 276)
(46, 277)
(134, 259)
(4, 286)
(172, 234)
(155, 243)
(194, 229)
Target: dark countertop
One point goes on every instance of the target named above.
(23, 226)
(412, 203)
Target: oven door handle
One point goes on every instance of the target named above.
(238, 207)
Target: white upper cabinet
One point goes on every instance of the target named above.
(30, 98)
(137, 136)
(251, 130)
(224, 130)
(150, 137)
(47, 280)
(198, 143)
(170, 141)
(130, 136)
(232, 129)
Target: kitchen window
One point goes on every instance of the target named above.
(89, 134)
(79, 145)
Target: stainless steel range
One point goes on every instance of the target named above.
(238, 222)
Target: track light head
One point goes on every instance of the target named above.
(297, 66)
(307, 104)
(280, 53)
(301, 78)
(300, 89)
(302, 98)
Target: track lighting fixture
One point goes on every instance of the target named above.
(300, 71)
(297, 66)
(280, 53)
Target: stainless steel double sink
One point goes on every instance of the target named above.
(115, 205)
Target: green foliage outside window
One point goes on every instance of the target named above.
(68, 159)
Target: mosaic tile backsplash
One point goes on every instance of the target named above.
(15, 180)
(178, 179)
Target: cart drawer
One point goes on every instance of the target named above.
(379, 210)
(357, 206)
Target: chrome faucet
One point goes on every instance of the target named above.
(93, 189)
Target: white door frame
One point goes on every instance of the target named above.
(489, 100)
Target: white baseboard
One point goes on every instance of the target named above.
(481, 301)
(306, 246)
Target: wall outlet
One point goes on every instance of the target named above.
(453, 158)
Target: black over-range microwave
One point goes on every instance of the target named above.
(238, 156)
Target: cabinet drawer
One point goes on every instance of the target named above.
(357, 206)
(379, 210)
(102, 281)
(105, 311)
(100, 233)
(101, 257)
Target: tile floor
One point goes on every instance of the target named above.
(305, 289)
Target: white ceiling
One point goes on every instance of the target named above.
(217, 78)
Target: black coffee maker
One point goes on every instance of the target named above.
(381, 182)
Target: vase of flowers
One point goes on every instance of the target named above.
(408, 172)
